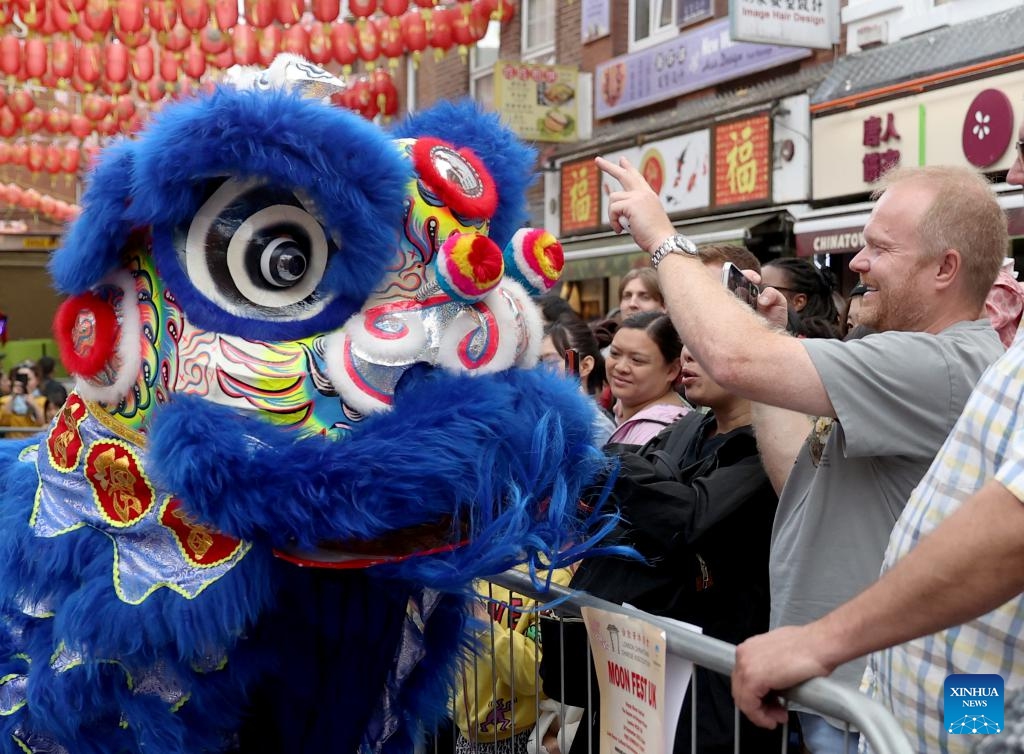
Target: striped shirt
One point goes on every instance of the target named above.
(986, 443)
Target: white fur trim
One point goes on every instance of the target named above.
(129, 346)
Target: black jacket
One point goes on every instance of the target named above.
(699, 508)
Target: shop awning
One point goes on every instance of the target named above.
(607, 254)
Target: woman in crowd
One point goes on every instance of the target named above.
(853, 302)
(24, 407)
(808, 290)
(639, 292)
(643, 367)
(573, 333)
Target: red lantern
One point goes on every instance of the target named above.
(178, 38)
(461, 32)
(320, 51)
(505, 11)
(224, 60)
(5, 155)
(20, 102)
(296, 39)
(95, 107)
(426, 3)
(85, 32)
(8, 122)
(80, 125)
(33, 120)
(10, 54)
(195, 14)
(259, 13)
(226, 14)
(442, 34)
(142, 63)
(194, 62)
(32, 13)
(394, 8)
(117, 62)
(89, 63)
(213, 41)
(70, 158)
(52, 160)
(163, 15)
(343, 44)
(367, 42)
(389, 32)
(414, 34)
(19, 154)
(244, 44)
(30, 197)
(108, 126)
(479, 19)
(47, 204)
(63, 18)
(384, 91)
(98, 16)
(123, 108)
(36, 158)
(326, 11)
(168, 66)
(269, 41)
(289, 11)
(6, 13)
(35, 57)
(362, 8)
(63, 57)
(130, 23)
(58, 120)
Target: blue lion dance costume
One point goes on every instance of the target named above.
(306, 419)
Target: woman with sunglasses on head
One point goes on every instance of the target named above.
(809, 291)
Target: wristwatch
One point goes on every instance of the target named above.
(673, 245)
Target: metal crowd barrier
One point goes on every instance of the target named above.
(878, 727)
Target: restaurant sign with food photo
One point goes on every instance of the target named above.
(538, 101)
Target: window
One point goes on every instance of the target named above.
(483, 56)
(538, 28)
(651, 21)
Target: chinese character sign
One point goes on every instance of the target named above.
(742, 161)
(800, 23)
(581, 199)
(882, 137)
(537, 101)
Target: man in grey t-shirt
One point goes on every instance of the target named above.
(933, 246)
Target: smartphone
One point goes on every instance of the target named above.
(22, 378)
(741, 287)
(572, 362)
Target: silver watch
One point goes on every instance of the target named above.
(673, 245)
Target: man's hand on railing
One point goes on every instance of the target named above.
(770, 663)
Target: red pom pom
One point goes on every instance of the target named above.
(457, 176)
(86, 331)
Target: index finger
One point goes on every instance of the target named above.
(623, 173)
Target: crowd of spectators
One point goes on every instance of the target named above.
(30, 397)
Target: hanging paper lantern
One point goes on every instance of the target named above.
(414, 34)
(194, 62)
(225, 12)
(19, 153)
(31, 13)
(244, 44)
(178, 38)
(109, 125)
(33, 120)
(384, 91)
(320, 51)
(389, 32)
(117, 62)
(326, 11)
(85, 32)
(5, 155)
(47, 204)
(6, 13)
(394, 8)
(504, 12)
(269, 41)
(289, 11)
(130, 23)
(461, 32)
(36, 157)
(58, 120)
(362, 8)
(194, 14)
(143, 63)
(10, 54)
(441, 33)
(52, 160)
(343, 44)
(123, 108)
(479, 19)
(30, 197)
(98, 16)
(259, 13)
(426, 3)
(296, 39)
(168, 66)
(89, 57)
(70, 158)
(36, 54)
(367, 42)
(163, 15)
(63, 57)
(213, 41)
(224, 60)
(63, 18)
(80, 126)
(95, 107)
(20, 102)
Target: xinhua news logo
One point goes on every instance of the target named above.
(973, 704)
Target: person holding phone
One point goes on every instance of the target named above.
(24, 407)
(933, 245)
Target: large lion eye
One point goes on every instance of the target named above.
(256, 250)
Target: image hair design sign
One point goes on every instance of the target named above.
(798, 23)
(695, 59)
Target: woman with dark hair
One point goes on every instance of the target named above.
(808, 289)
(573, 333)
(643, 367)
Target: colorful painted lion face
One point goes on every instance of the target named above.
(286, 257)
